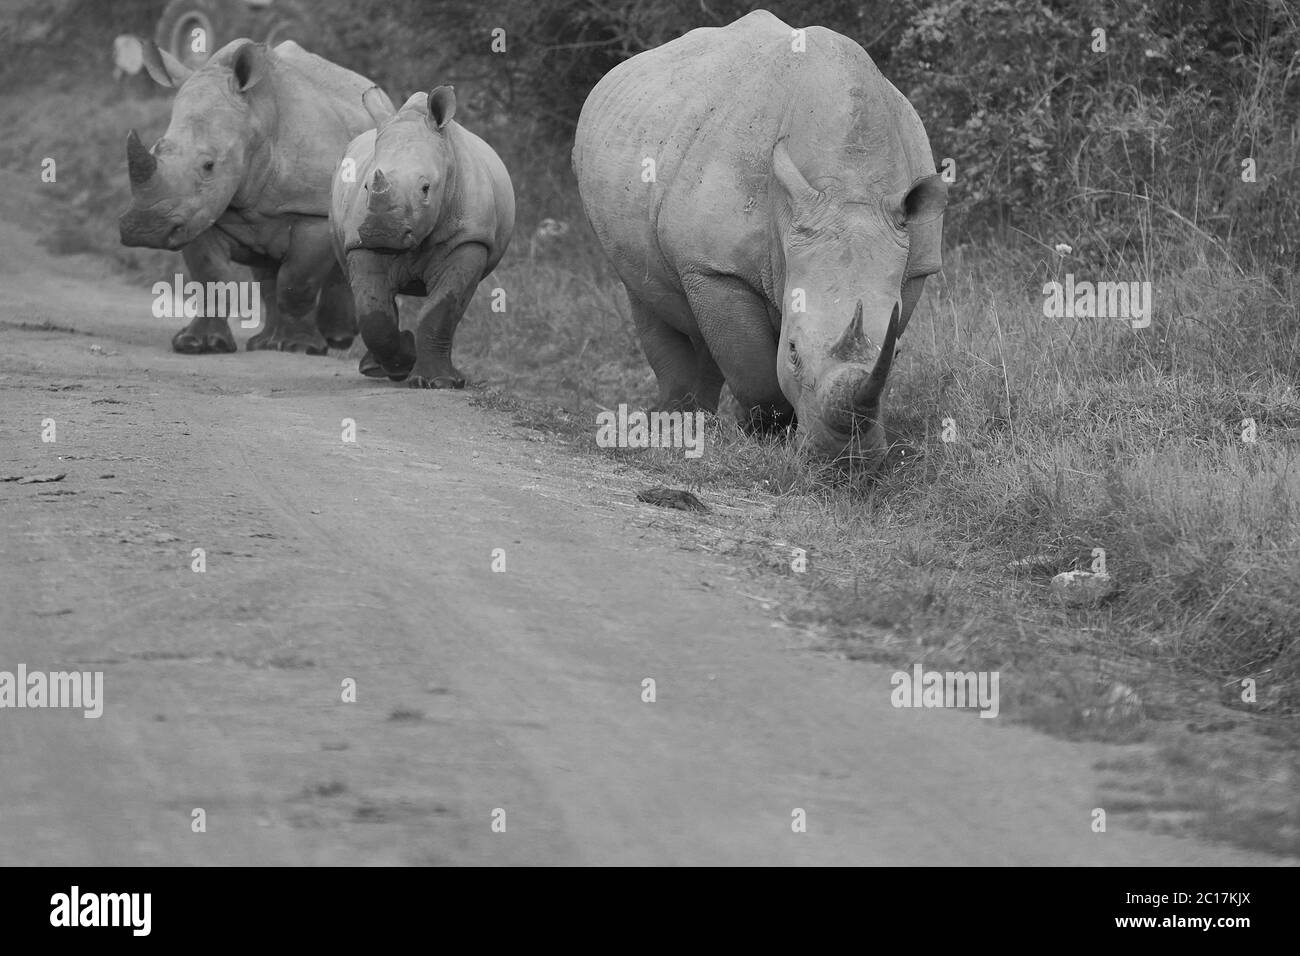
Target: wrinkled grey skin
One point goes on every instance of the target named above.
(420, 206)
(783, 179)
(242, 176)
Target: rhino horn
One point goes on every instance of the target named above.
(851, 342)
(867, 395)
(140, 163)
(380, 193)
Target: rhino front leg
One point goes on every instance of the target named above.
(207, 259)
(297, 288)
(735, 323)
(389, 350)
(450, 289)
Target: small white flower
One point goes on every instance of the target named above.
(1063, 250)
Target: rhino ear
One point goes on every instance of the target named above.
(442, 106)
(788, 175)
(165, 69)
(378, 105)
(925, 200)
(249, 66)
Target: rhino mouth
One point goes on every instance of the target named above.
(151, 231)
(379, 236)
(844, 422)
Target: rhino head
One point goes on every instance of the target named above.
(845, 261)
(409, 178)
(188, 178)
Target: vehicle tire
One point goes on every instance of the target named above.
(286, 20)
(221, 21)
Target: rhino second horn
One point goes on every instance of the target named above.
(380, 183)
(140, 163)
(867, 396)
(851, 342)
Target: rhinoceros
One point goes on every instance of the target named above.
(420, 206)
(242, 175)
(770, 202)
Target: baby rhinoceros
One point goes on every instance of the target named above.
(420, 206)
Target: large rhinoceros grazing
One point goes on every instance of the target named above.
(242, 175)
(770, 202)
(421, 206)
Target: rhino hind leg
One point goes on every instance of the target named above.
(265, 277)
(689, 379)
(336, 318)
(291, 325)
(450, 291)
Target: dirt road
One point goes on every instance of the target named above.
(476, 691)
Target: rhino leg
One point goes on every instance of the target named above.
(207, 259)
(390, 351)
(336, 318)
(451, 287)
(297, 288)
(689, 378)
(737, 326)
(265, 277)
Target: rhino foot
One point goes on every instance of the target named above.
(436, 372)
(441, 381)
(190, 342)
(371, 367)
(342, 343)
(396, 368)
(307, 348)
(299, 342)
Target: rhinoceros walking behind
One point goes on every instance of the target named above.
(770, 202)
(242, 175)
(421, 206)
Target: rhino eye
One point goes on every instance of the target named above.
(209, 166)
(794, 354)
(424, 190)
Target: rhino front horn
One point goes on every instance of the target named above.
(380, 182)
(140, 163)
(867, 397)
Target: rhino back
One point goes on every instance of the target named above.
(708, 108)
(318, 112)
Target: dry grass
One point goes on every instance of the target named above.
(1070, 435)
